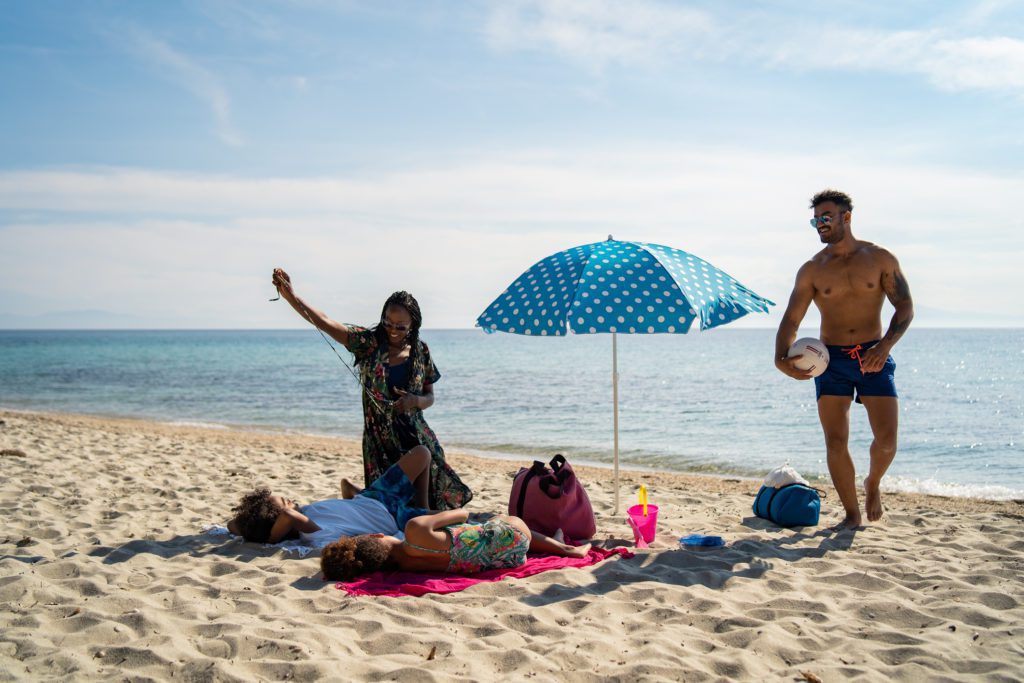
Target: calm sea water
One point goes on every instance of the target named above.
(707, 402)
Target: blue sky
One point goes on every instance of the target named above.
(157, 160)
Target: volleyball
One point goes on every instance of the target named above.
(813, 355)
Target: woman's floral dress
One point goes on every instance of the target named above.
(382, 445)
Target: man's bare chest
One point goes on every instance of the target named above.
(839, 279)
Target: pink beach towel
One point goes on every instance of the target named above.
(395, 584)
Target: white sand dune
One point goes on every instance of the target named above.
(105, 573)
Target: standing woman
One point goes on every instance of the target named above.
(398, 378)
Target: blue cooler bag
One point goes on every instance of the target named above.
(790, 505)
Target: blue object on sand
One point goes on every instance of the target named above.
(702, 540)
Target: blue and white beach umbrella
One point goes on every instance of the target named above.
(613, 286)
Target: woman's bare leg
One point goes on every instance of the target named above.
(349, 490)
(539, 543)
(416, 465)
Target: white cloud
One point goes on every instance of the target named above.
(594, 32)
(951, 64)
(196, 249)
(977, 63)
(984, 12)
(597, 33)
(193, 77)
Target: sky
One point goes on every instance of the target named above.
(159, 159)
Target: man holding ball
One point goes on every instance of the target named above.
(848, 281)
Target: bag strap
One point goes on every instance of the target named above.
(760, 495)
(552, 483)
(796, 483)
(768, 507)
(536, 469)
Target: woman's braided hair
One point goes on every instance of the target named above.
(409, 303)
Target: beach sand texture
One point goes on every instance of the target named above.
(105, 573)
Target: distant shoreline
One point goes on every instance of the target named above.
(707, 403)
(256, 438)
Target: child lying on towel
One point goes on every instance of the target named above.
(384, 507)
(442, 542)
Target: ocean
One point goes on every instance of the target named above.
(707, 402)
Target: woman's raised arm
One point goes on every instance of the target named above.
(318, 318)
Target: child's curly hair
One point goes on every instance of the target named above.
(256, 515)
(351, 556)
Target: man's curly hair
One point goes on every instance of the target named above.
(256, 515)
(840, 199)
(352, 556)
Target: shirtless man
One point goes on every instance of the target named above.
(847, 281)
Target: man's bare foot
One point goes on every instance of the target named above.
(349, 490)
(872, 500)
(851, 522)
(577, 550)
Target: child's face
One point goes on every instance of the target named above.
(282, 502)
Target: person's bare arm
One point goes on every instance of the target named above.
(428, 530)
(799, 301)
(896, 289)
(408, 402)
(426, 399)
(318, 318)
(290, 520)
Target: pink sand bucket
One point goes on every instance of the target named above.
(643, 518)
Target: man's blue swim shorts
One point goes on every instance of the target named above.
(844, 376)
(395, 491)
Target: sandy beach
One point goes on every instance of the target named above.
(105, 572)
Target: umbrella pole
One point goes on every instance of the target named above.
(615, 418)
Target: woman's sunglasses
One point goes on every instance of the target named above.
(392, 326)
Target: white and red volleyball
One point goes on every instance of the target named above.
(813, 356)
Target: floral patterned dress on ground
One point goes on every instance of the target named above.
(384, 431)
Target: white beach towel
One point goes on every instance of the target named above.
(296, 546)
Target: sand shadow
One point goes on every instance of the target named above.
(312, 583)
(831, 540)
(193, 545)
(705, 566)
(27, 559)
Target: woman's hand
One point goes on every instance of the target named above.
(283, 283)
(319, 319)
(406, 402)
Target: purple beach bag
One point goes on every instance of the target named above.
(551, 497)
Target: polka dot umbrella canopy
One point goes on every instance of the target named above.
(615, 286)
